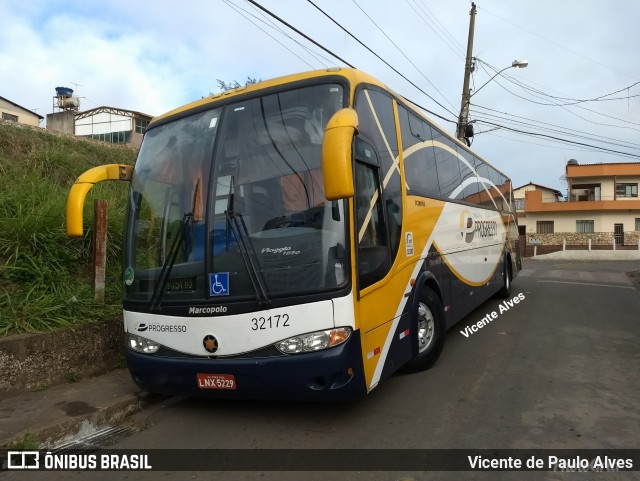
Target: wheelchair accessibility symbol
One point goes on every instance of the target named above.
(219, 284)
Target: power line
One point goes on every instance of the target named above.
(549, 143)
(444, 30)
(613, 142)
(268, 12)
(600, 98)
(537, 134)
(456, 51)
(402, 52)
(565, 108)
(564, 129)
(429, 111)
(237, 10)
(557, 44)
(318, 56)
(546, 146)
(378, 56)
(568, 100)
(532, 90)
(273, 15)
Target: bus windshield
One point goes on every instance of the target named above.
(228, 204)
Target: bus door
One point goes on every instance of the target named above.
(378, 235)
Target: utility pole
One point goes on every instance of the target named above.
(463, 119)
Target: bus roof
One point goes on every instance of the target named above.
(354, 77)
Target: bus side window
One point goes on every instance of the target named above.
(469, 180)
(447, 164)
(420, 165)
(373, 250)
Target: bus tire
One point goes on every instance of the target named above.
(505, 292)
(429, 320)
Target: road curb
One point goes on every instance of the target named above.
(65, 413)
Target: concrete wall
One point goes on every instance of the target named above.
(62, 121)
(573, 239)
(136, 140)
(36, 361)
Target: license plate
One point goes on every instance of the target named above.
(216, 381)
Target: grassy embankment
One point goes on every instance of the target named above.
(45, 277)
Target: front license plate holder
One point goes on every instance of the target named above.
(216, 381)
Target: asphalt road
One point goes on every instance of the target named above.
(560, 369)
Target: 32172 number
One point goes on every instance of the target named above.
(271, 322)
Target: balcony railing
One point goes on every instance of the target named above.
(594, 197)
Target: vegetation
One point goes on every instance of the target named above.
(225, 86)
(29, 442)
(45, 277)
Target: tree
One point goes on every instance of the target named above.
(224, 86)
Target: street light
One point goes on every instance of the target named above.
(515, 63)
(465, 130)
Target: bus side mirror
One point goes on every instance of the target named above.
(82, 186)
(337, 167)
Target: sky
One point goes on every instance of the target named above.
(155, 56)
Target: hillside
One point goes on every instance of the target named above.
(44, 275)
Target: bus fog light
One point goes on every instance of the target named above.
(314, 341)
(142, 344)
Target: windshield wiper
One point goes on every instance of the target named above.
(245, 246)
(163, 278)
(183, 228)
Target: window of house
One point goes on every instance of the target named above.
(584, 227)
(544, 227)
(9, 117)
(637, 224)
(519, 204)
(626, 190)
(140, 125)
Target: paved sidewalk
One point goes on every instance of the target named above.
(66, 412)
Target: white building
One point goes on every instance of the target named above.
(603, 206)
(107, 124)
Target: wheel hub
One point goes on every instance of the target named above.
(426, 327)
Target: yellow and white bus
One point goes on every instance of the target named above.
(302, 238)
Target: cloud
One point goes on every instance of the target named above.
(153, 57)
(114, 66)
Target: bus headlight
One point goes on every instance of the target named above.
(314, 341)
(142, 344)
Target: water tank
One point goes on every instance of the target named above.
(68, 102)
(65, 100)
(572, 162)
(64, 92)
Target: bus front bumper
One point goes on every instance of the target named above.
(334, 374)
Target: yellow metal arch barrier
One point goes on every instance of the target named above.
(83, 184)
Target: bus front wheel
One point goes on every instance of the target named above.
(429, 321)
